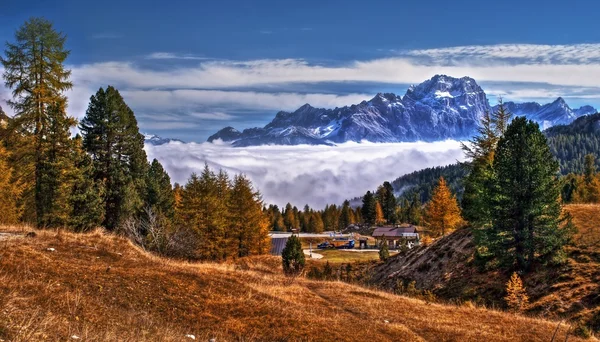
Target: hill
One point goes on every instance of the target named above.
(98, 287)
(440, 108)
(447, 267)
(570, 143)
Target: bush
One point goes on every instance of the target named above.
(292, 256)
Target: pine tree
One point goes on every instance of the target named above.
(384, 251)
(292, 256)
(443, 213)
(516, 297)
(34, 70)
(345, 216)
(159, 196)
(111, 136)
(591, 182)
(368, 208)
(526, 211)
(387, 200)
(288, 217)
(86, 196)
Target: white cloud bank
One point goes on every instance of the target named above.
(314, 175)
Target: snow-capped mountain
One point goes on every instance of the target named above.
(440, 108)
(548, 115)
(156, 140)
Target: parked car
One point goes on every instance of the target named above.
(325, 245)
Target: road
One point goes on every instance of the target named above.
(314, 255)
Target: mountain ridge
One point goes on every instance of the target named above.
(440, 108)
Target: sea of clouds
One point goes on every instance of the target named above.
(313, 175)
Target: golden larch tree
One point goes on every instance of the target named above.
(443, 214)
(516, 296)
(379, 218)
(9, 191)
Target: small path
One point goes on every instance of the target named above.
(314, 255)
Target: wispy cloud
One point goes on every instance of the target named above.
(170, 55)
(316, 175)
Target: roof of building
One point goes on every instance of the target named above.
(392, 231)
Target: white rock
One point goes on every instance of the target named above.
(75, 337)
(51, 249)
(191, 337)
(386, 321)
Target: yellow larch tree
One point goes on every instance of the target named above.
(443, 214)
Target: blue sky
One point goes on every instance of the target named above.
(188, 68)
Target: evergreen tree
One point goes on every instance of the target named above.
(288, 217)
(159, 194)
(292, 256)
(526, 212)
(384, 251)
(86, 198)
(387, 200)
(111, 136)
(345, 216)
(34, 70)
(443, 213)
(368, 208)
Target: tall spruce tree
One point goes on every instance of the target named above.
(159, 195)
(111, 136)
(385, 196)
(345, 216)
(368, 209)
(527, 224)
(34, 71)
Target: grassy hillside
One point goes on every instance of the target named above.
(101, 288)
(448, 268)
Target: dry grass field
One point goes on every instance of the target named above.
(60, 286)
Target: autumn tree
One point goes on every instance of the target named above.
(249, 226)
(379, 217)
(346, 214)
(443, 213)
(34, 70)
(516, 296)
(9, 191)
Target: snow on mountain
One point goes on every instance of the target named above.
(548, 115)
(440, 108)
(156, 140)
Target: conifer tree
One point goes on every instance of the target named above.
(516, 297)
(248, 224)
(527, 221)
(345, 216)
(387, 200)
(34, 70)
(288, 217)
(292, 256)
(315, 224)
(384, 251)
(443, 213)
(379, 219)
(86, 197)
(368, 208)
(111, 136)
(159, 194)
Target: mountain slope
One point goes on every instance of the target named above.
(97, 287)
(440, 108)
(447, 267)
(156, 140)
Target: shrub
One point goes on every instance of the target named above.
(292, 256)
(516, 296)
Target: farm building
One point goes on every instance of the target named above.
(395, 236)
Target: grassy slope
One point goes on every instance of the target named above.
(571, 291)
(100, 287)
